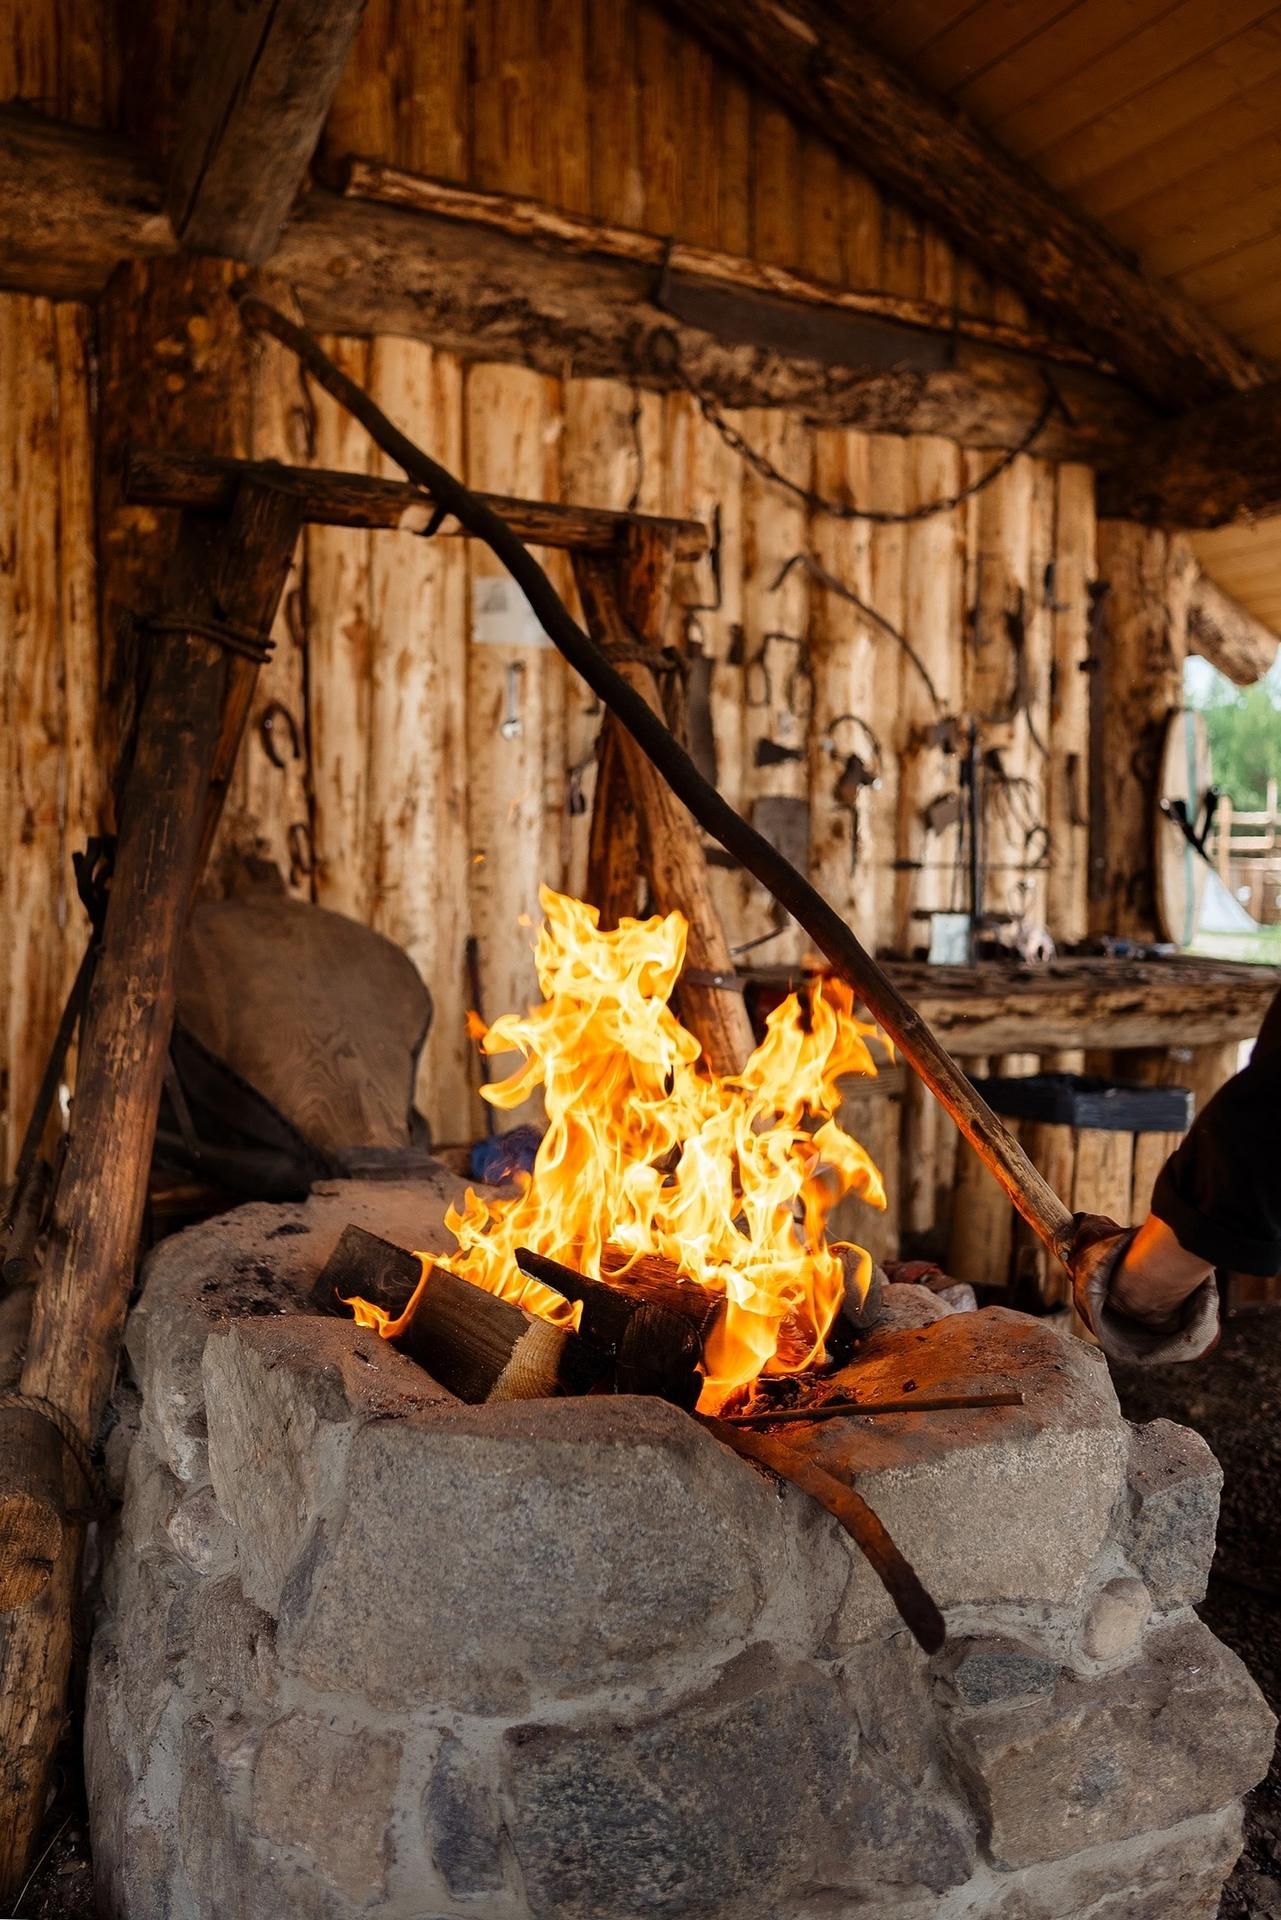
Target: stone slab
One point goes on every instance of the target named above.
(1180, 1733)
(1007, 1505)
(1173, 1483)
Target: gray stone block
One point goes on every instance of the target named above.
(1118, 1614)
(463, 1822)
(284, 1399)
(996, 1673)
(958, 1491)
(549, 1547)
(1181, 1732)
(752, 1800)
(1176, 1874)
(254, 1264)
(1173, 1488)
(330, 1796)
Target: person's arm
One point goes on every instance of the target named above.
(1217, 1200)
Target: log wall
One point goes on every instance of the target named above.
(437, 756)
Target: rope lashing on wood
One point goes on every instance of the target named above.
(11, 1398)
(1027, 1189)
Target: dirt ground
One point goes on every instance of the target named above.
(1234, 1400)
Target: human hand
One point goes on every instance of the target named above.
(1164, 1313)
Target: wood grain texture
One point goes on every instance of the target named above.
(940, 164)
(176, 313)
(337, 577)
(80, 1304)
(1069, 724)
(934, 572)
(511, 439)
(1222, 631)
(417, 795)
(1217, 465)
(261, 89)
(842, 732)
(1143, 642)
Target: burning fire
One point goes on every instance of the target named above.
(732, 1179)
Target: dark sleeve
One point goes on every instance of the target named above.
(1220, 1191)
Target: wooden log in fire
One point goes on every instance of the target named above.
(477, 1346)
(642, 1329)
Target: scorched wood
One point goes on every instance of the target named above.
(476, 1345)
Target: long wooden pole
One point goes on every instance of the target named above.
(227, 574)
(1030, 1194)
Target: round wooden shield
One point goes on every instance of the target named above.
(1181, 872)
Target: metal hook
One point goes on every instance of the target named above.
(511, 725)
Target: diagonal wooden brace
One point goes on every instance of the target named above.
(192, 716)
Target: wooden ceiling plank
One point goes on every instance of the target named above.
(1053, 63)
(903, 27)
(987, 204)
(983, 38)
(1136, 49)
(1098, 162)
(257, 106)
(1214, 216)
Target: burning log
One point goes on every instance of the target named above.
(643, 1333)
(477, 1346)
(652, 1325)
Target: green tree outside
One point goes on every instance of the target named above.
(1243, 726)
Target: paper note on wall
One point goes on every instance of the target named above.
(501, 616)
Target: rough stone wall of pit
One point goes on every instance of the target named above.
(364, 1650)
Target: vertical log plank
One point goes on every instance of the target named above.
(889, 545)
(338, 662)
(1139, 682)
(778, 682)
(843, 651)
(505, 411)
(935, 577)
(1067, 791)
(33, 856)
(416, 814)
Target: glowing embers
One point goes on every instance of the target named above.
(731, 1180)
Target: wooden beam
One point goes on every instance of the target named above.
(207, 484)
(1219, 464)
(810, 57)
(262, 89)
(574, 233)
(233, 573)
(1222, 631)
(1098, 1004)
(1136, 684)
(72, 205)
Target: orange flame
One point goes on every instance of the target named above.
(732, 1179)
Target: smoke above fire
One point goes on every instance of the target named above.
(732, 1179)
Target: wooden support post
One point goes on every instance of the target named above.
(672, 849)
(231, 575)
(1136, 685)
(646, 571)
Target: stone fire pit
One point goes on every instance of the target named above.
(367, 1650)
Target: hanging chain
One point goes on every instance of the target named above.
(668, 359)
